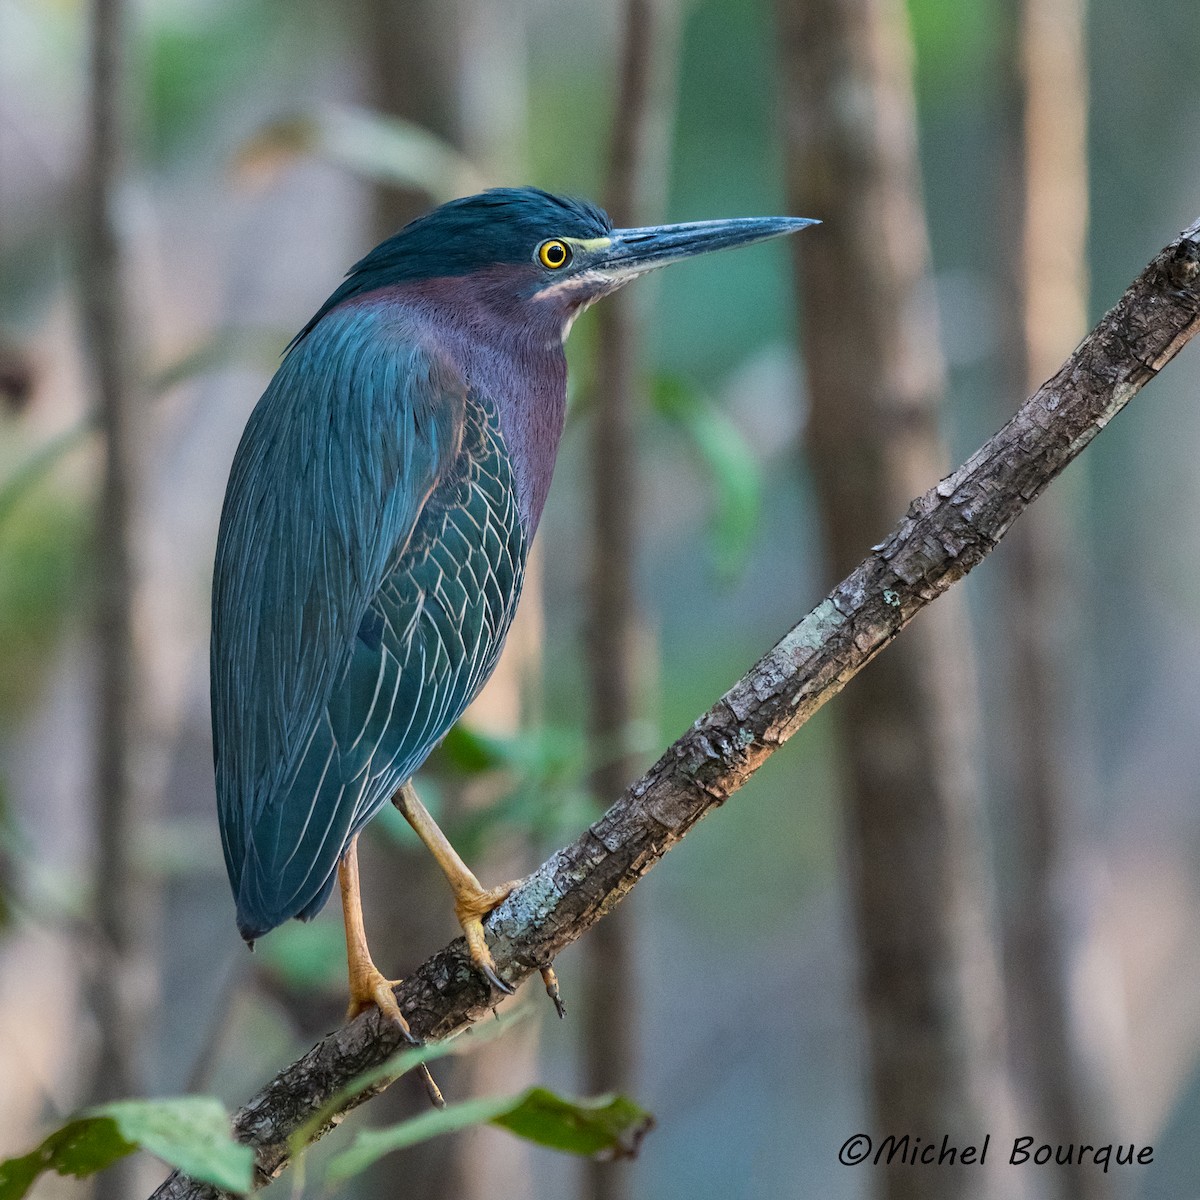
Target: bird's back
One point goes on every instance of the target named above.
(369, 565)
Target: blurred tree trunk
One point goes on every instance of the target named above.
(928, 975)
(411, 51)
(636, 170)
(1044, 211)
(120, 991)
(427, 61)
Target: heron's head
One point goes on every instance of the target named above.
(538, 257)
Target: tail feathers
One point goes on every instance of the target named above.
(318, 902)
(291, 852)
(257, 916)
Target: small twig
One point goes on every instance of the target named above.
(944, 534)
(550, 979)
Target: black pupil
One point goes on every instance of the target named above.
(555, 254)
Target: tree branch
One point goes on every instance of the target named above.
(945, 533)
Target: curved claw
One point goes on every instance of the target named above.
(411, 1038)
(489, 973)
(372, 988)
(471, 907)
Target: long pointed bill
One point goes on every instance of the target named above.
(633, 252)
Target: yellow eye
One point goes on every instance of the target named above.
(554, 254)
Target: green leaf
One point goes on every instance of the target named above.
(399, 1064)
(382, 149)
(370, 1145)
(544, 789)
(606, 1127)
(473, 753)
(190, 1133)
(728, 465)
(80, 1148)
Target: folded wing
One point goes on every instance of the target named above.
(358, 428)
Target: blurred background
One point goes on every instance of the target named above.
(963, 900)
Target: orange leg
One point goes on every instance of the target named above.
(472, 902)
(367, 983)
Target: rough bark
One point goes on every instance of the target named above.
(928, 967)
(613, 631)
(120, 993)
(945, 533)
(1044, 213)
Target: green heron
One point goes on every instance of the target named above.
(376, 525)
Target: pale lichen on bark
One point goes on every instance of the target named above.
(944, 534)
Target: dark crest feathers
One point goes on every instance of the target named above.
(502, 225)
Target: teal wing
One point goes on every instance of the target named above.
(358, 429)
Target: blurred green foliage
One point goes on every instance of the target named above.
(608, 1126)
(401, 1063)
(40, 544)
(9, 850)
(956, 47)
(190, 1133)
(715, 312)
(727, 468)
(543, 786)
(25, 477)
(224, 348)
(196, 60)
(30, 265)
(306, 957)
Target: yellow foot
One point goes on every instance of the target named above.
(368, 986)
(471, 907)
